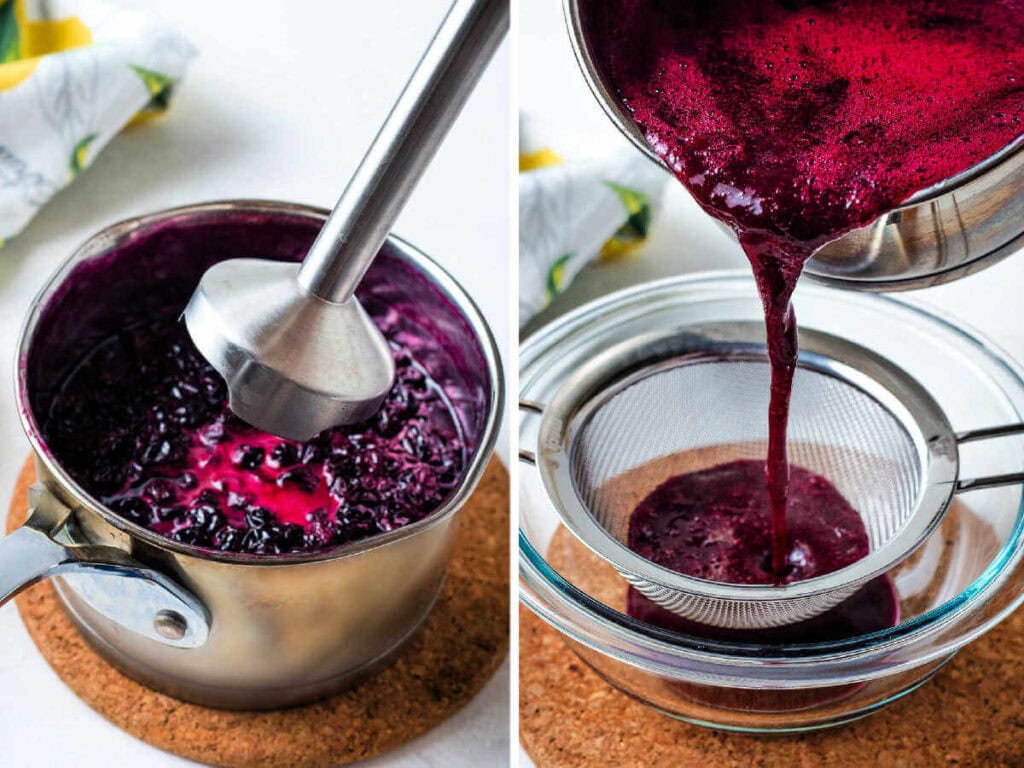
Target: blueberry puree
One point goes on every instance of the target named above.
(143, 424)
(797, 121)
(136, 416)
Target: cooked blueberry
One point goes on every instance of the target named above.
(289, 538)
(195, 535)
(211, 434)
(319, 530)
(212, 385)
(284, 455)
(208, 496)
(257, 541)
(206, 517)
(248, 456)
(414, 379)
(132, 508)
(229, 539)
(160, 491)
(187, 536)
(299, 477)
(142, 422)
(175, 512)
(156, 452)
(310, 453)
(387, 424)
(258, 517)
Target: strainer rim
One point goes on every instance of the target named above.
(575, 400)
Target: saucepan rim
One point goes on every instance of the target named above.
(209, 210)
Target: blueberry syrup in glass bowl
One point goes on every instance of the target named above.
(142, 423)
(874, 607)
(795, 122)
(716, 524)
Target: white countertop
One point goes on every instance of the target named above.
(280, 104)
(683, 238)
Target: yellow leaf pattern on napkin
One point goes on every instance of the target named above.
(556, 277)
(73, 74)
(79, 155)
(542, 158)
(632, 234)
(23, 40)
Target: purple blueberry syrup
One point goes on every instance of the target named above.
(795, 122)
(874, 607)
(716, 524)
(137, 417)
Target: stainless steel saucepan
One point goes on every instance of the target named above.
(225, 629)
(948, 231)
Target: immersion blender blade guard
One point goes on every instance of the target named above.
(855, 418)
(296, 349)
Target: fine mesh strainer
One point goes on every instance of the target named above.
(855, 418)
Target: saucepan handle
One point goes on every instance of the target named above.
(112, 582)
(992, 481)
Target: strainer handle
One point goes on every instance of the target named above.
(992, 481)
(529, 457)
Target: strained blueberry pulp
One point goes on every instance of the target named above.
(142, 423)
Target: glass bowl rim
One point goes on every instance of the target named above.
(579, 615)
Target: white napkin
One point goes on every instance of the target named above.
(578, 200)
(73, 73)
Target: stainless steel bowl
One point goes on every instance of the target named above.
(232, 630)
(948, 231)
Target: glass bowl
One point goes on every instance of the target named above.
(965, 578)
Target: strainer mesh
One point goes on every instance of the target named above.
(836, 430)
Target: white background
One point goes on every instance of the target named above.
(280, 104)
(683, 238)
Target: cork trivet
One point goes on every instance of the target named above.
(970, 715)
(457, 651)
